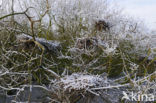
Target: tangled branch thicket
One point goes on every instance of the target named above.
(71, 48)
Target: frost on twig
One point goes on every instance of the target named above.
(75, 86)
(80, 81)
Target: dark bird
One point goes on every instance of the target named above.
(102, 25)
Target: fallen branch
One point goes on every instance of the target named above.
(42, 43)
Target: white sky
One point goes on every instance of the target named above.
(140, 9)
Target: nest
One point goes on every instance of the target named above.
(87, 43)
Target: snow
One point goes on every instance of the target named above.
(79, 81)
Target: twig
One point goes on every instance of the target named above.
(110, 87)
(52, 72)
(19, 13)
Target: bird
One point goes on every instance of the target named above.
(102, 25)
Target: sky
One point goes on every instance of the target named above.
(144, 10)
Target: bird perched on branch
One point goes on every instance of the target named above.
(102, 25)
